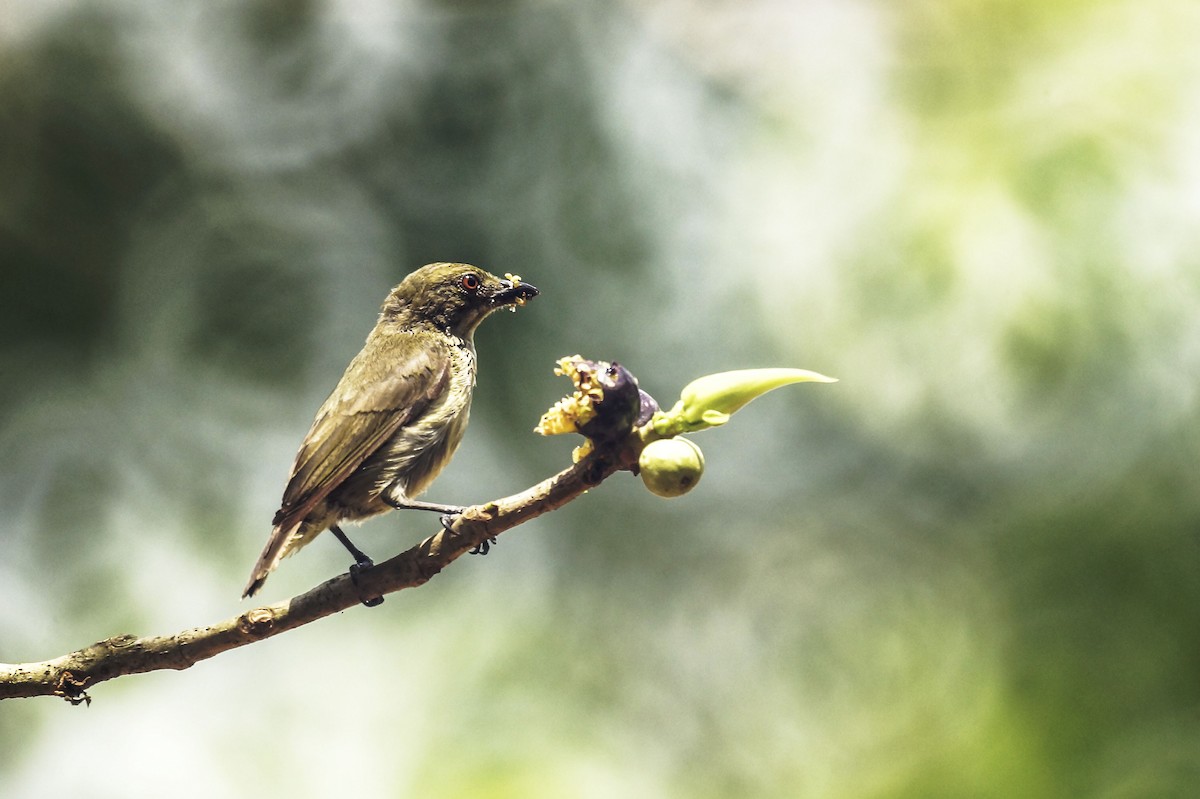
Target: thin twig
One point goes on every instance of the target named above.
(71, 675)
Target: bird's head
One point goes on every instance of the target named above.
(453, 297)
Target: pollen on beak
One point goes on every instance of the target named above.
(514, 292)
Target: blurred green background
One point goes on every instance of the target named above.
(971, 568)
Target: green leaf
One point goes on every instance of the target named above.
(709, 401)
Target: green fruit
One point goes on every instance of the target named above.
(671, 467)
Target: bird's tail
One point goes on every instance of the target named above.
(278, 545)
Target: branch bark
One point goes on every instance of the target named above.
(71, 675)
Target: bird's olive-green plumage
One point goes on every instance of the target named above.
(398, 413)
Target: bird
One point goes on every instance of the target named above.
(396, 416)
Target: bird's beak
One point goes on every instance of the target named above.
(514, 292)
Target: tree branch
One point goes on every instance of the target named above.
(70, 675)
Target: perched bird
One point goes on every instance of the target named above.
(396, 416)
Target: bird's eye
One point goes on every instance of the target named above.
(470, 282)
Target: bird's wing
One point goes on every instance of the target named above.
(374, 399)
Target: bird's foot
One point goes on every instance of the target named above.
(480, 549)
(358, 568)
(362, 562)
(483, 547)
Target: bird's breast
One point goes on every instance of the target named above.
(419, 450)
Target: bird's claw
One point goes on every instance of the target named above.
(483, 547)
(356, 569)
